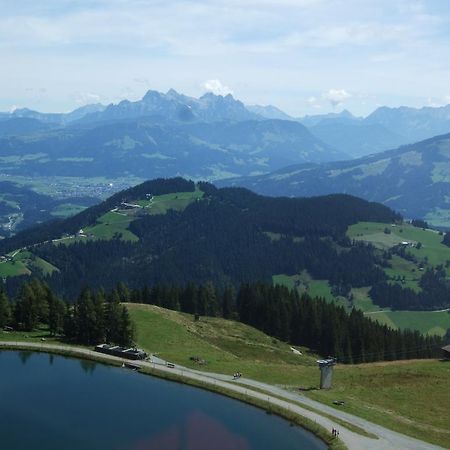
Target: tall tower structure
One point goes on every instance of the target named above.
(326, 372)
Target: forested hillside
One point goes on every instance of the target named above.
(222, 235)
(413, 179)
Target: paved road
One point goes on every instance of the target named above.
(388, 440)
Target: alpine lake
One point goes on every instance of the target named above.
(50, 402)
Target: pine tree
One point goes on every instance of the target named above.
(5, 310)
(113, 318)
(56, 313)
(228, 307)
(126, 331)
(85, 318)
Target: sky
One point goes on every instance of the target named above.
(303, 56)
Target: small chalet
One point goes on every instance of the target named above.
(446, 351)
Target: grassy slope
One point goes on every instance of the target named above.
(305, 283)
(432, 253)
(24, 263)
(426, 322)
(178, 201)
(227, 346)
(107, 226)
(409, 396)
(67, 209)
(432, 247)
(117, 222)
(110, 224)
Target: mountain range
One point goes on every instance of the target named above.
(413, 179)
(217, 137)
(168, 134)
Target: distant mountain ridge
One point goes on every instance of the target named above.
(161, 135)
(216, 137)
(178, 107)
(148, 147)
(413, 179)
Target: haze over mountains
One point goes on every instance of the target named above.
(217, 137)
(413, 179)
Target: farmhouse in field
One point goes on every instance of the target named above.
(446, 351)
(126, 205)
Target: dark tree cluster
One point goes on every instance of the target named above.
(327, 328)
(93, 318)
(419, 223)
(446, 239)
(434, 294)
(98, 318)
(203, 300)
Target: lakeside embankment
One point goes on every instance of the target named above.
(270, 398)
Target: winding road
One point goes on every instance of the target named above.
(387, 439)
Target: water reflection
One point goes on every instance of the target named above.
(24, 356)
(198, 432)
(88, 366)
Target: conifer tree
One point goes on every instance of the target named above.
(5, 310)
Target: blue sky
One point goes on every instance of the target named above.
(304, 56)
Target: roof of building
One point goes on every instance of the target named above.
(446, 348)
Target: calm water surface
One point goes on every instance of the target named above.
(55, 403)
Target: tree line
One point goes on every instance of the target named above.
(446, 239)
(322, 326)
(92, 318)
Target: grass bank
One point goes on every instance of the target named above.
(270, 408)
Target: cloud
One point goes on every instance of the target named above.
(86, 98)
(216, 87)
(314, 102)
(336, 96)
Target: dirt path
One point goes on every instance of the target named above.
(387, 439)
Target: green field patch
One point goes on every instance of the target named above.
(25, 263)
(110, 226)
(362, 301)
(404, 272)
(67, 210)
(35, 263)
(432, 251)
(13, 268)
(304, 283)
(177, 201)
(427, 322)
